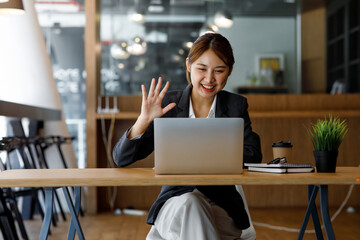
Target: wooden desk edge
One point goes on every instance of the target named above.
(146, 177)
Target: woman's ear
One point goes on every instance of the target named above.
(188, 68)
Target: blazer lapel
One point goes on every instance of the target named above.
(183, 105)
(221, 106)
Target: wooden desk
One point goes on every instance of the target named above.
(54, 178)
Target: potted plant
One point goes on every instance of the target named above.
(326, 136)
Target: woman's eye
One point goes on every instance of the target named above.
(219, 71)
(202, 69)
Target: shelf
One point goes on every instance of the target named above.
(11, 109)
(336, 39)
(304, 114)
(259, 114)
(343, 43)
(119, 115)
(355, 29)
(354, 62)
(337, 68)
(261, 89)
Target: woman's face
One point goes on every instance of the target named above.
(209, 75)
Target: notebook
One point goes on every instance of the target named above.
(280, 167)
(198, 145)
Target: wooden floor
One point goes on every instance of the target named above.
(108, 226)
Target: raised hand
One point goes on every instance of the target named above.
(151, 107)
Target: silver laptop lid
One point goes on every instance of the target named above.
(198, 145)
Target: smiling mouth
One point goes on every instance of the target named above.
(208, 88)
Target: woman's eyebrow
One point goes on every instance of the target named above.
(201, 64)
(204, 65)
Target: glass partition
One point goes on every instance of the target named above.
(150, 38)
(63, 24)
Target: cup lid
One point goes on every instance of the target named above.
(282, 144)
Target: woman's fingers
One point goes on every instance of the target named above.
(144, 94)
(151, 102)
(168, 107)
(152, 87)
(158, 86)
(164, 90)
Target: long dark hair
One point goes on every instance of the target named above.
(215, 42)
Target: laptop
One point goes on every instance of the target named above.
(198, 145)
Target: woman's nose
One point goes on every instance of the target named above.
(209, 76)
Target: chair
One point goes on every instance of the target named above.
(40, 144)
(7, 225)
(9, 196)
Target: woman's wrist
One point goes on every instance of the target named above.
(139, 127)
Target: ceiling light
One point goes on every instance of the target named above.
(223, 19)
(188, 45)
(156, 8)
(1, 1)
(137, 47)
(137, 16)
(119, 51)
(12, 7)
(209, 28)
(121, 66)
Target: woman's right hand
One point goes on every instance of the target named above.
(150, 107)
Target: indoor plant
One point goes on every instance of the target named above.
(326, 136)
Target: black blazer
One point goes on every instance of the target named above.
(228, 105)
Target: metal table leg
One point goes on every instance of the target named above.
(311, 209)
(324, 207)
(77, 197)
(49, 201)
(75, 224)
(315, 216)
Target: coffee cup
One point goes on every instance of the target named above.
(282, 149)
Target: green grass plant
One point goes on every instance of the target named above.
(328, 134)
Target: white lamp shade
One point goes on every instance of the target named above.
(26, 75)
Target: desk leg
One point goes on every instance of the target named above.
(311, 209)
(77, 196)
(49, 201)
(315, 216)
(74, 216)
(324, 206)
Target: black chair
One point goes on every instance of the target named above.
(7, 225)
(38, 144)
(9, 196)
(42, 143)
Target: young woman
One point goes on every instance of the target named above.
(193, 212)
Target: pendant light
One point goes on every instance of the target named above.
(11, 7)
(223, 19)
(137, 13)
(208, 28)
(137, 46)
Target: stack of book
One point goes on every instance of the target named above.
(280, 167)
